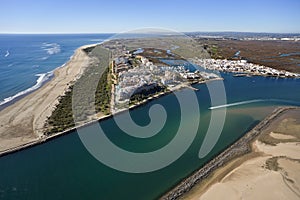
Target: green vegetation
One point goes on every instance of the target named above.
(182, 46)
(135, 62)
(89, 49)
(144, 94)
(79, 103)
(62, 118)
(103, 93)
(213, 51)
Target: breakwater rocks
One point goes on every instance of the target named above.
(240, 147)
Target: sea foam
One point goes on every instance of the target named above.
(7, 54)
(51, 48)
(96, 40)
(39, 82)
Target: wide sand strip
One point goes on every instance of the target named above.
(23, 121)
(271, 171)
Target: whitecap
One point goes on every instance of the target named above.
(7, 54)
(96, 40)
(51, 48)
(41, 79)
(44, 58)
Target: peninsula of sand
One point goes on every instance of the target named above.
(21, 124)
(269, 171)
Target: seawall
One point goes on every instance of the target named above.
(239, 148)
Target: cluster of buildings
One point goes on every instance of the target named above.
(121, 64)
(135, 74)
(247, 36)
(295, 39)
(144, 75)
(242, 66)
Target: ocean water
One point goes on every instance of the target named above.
(27, 61)
(63, 169)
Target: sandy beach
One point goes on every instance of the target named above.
(270, 171)
(22, 122)
(273, 162)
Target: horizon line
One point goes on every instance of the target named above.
(85, 33)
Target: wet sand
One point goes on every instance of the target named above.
(270, 171)
(22, 122)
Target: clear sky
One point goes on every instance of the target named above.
(113, 16)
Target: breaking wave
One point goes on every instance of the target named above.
(51, 48)
(42, 78)
(96, 40)
(7, 54)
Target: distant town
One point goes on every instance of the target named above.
(243, 68)
(246, 36)
(141, 73)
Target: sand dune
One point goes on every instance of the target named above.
(23, 121)
(271, 172)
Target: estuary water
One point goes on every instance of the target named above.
(63, 169)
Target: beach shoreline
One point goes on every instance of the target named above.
(21, 123)
(229, 159)
(273, 162)
(35, 134)
(44, 138)
(35, 118)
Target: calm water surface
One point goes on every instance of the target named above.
(63, 169)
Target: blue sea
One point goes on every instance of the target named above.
(27, 61)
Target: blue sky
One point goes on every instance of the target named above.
(97, 16)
